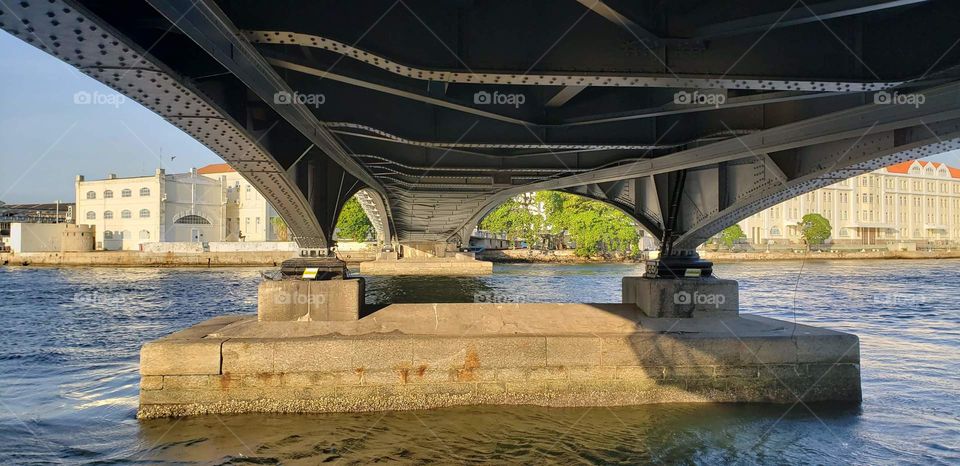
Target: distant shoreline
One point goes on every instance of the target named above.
(524, 256)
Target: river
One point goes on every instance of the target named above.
(68, 359)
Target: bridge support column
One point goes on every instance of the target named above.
(683, 297)
(426, 258)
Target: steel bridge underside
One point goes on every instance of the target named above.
(689, 115)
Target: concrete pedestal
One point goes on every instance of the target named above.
(459, 264)
(310, 300)
(684, 297)
(418, 356)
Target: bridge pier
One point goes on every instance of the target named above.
(299, 357)
(426, 258)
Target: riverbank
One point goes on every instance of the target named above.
(164, 259)
(568, 256)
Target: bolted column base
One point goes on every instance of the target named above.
(682, 297)
(310, 300)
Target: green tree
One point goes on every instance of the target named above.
(517, 219)
(353, 222)
(596, 228)
(815, 229)
(731, 234)
(280, 228)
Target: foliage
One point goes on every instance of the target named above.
(596, 228)
(280, 228)
(353, 222)
(515, 218)
(815, 229)
(731, 234)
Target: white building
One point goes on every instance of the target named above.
(130, 211)
(247, 213)
(914, 201)
(211, 204)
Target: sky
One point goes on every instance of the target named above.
(47, 138)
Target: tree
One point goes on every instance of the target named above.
(517, 219)
(815, 229)
(280, 228)
(353, 222)
(731, 234)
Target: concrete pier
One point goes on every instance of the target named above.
(417, 356)
(426, 258)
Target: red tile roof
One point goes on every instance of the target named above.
(215, 168)
(904, 167)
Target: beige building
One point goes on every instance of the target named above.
(247, 212)
(911, 202)
(127, 212)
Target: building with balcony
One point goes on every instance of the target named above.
(911, 202)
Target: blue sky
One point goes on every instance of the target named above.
(46, 139)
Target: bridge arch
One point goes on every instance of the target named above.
(463, 236)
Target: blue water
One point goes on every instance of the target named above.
(71, 336)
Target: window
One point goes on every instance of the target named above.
(144, 213)
(91, 195)
(125, 214)
(108, 215)
(126, 193)
(774, 231)
(144, 234)
(144, 192)
(108, 194)
(192, 220)
(108, 234)
(91, 215)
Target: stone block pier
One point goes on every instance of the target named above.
(418, 356)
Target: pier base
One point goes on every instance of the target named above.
(426, 258)
(417, 356)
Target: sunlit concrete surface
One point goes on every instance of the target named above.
(418, 356)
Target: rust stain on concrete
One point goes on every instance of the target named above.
(225, 381)
(471, 363)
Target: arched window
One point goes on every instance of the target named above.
(108, 194)
(144, 213)
(108, 215)
(125, 214)
(126, 193)
(192, 220)
(144, 192)
(91, 195)
(914, 169)
(144, 234)
(930, 170)
(108, 234)
(774, 231)
(91, 215)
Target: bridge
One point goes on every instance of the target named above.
(689, 115)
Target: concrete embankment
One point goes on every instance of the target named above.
(167, 259)
(568, 256)
(827, 255)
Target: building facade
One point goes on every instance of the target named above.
(248, 215)
(127, 212)
(911, 202)
(213, 203)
